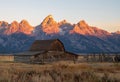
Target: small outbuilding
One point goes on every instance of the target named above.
(6, 57)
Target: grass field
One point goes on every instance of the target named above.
(60, 72)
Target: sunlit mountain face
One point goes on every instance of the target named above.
(15, 27)
(77, 38)
(50, 26)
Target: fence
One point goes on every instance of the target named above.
(99, 58)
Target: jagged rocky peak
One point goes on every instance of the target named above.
(49, 25)
(49, 20)
(117, 32)
(14, 23)
(24, 22)
(49, 16)
(82, 23)
(63, 22)
(25, 27)
(3, 24)
(12, 28)
(82, 28)
(22, 27)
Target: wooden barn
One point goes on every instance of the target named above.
(53, 51)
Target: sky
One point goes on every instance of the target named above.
(104, 14)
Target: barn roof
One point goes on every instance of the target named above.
(28, 53)
(43, 44)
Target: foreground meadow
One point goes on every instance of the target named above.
(60, 72)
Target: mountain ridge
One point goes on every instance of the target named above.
(49, 24)
(16, 27)
(77, 38)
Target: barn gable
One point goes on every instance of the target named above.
(47, 45)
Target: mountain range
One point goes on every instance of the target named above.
(77, 38)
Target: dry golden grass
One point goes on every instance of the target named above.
(60, 72)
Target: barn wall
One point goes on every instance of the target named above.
(6, 58)
(52, 56)
(57, 46)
